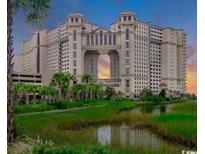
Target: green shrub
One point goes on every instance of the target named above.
(154, 99)
(61, 104)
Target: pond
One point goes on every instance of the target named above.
(154, 109)
(125, 136)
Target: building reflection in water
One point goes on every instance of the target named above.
(124, 136)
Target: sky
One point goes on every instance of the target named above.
(167, 13)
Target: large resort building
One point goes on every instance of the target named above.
(141, 54)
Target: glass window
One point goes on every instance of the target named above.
(127, 34)
(74, 54)
(129, 18)
(92, 39)
(124, 18)
(105, 39)
(114, 39)
(127, 44)
(88, 39)
(110, 39)
(101, 37)
(76, 19)
(74, 71)
(74, 46)
(96, 39)
(74, 35)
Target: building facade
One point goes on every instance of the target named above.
(141, 54)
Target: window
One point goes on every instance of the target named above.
(127, 44)
(127, 34)
(114, 39)
(110, 39)
(92, 39)
(127, 83)
(76, 19)
(127, 53)
(74, 63)
(124, 18)
(74, 71)
(74, 45)
(101, 37)
(127, 70)
(96, 39)
(127, 61)
(71, 19)
(105, 39)
(74, 54)
(74, 35)
(88, 39)
(129, 18)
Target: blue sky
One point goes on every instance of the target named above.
(171, 13)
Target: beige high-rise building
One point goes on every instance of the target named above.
(141, 54)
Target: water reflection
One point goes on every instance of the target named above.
(104, 135)
(156, 110)
(124, 136)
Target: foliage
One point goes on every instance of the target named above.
(153, 99)
(86, 78)
(110, 92)
(162, 93)
(146, 92)
(35, 10)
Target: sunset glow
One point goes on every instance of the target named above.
(104, 67)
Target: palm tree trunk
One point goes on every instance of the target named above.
(68, 92)
(10, 119)
(27, 98)
(34, 97)
(59, 92)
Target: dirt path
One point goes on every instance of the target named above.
(62, 110)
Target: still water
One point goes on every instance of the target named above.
(154, 109)
(125, 136)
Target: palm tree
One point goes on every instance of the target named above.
(35, 11)
(77, 89)
(86, 78)
(19, 91)
(58, 80)
(67, 80)
(47, 92)
(34, 90)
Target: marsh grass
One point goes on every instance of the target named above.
(178, 125)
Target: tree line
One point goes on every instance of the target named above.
(63, 86)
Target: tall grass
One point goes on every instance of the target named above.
(178, 124)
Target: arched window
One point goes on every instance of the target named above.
(101, 37)
(127, 34)
(74, 35)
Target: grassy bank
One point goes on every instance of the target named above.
(64, 104)
(179, 124)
